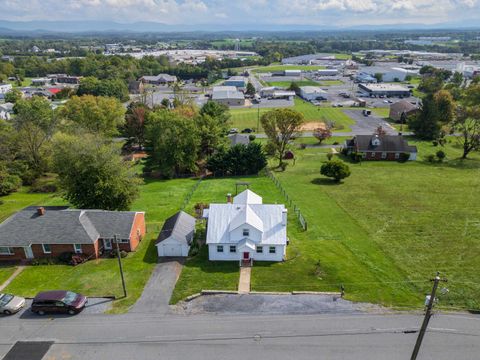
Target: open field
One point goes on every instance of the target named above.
(265, 69)
(248, 118)
(286, 84)
(159, 199)
(400, 230)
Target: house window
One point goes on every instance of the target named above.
(246, 232)
(5, 250)
(46, 249)
(77, 248)
(397, 155)
(260, 249)
(372, 154)
(124, 241)
(233, 248)
(364, 155)
(220, 248)
(384, 155)
(272, 249)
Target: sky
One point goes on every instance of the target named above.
(340, 13)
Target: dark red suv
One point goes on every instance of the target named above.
(58, 301)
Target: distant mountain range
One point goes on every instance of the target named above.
(15, 27)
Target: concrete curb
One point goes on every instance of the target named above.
(215, 292)
(316, 293)
(269, 293)
(192, 297)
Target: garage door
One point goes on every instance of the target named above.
(172, 250)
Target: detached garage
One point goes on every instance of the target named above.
(176, 235)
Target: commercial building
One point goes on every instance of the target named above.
(389, 74)
(160, 79)
(228, 95)
(327, 72)
(239, 82)
(312, 93)
(388, 90)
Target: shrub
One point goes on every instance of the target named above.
(251, 137)
(329, 156)
(8, 183)
(404, 157)
(44, 185)
(335, 169)
(303, 146)
(43, 261)
(430, 158)
(65, 257)
(78, 259)
(440, 155)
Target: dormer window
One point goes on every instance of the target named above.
(375, 141)
(246, 232)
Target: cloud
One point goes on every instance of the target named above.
(262, 12)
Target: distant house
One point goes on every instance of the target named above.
(401, 110)
(160, 79)
(39, 232)
(228, 95)
(246, 229)
(135, 87)
(386, 147)
(236, 139)
(4, 88)
(41, 81)
(6, 111)
(176, 235)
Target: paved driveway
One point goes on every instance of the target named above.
(156, 294)
(366, 125)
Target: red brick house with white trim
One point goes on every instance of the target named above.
(43, 232)
(383, 147)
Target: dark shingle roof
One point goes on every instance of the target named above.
(388, 143)
(180, 226)
(60, 225)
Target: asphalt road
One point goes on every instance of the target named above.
(150, 336)
(366, 125)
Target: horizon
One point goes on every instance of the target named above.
(253, 15)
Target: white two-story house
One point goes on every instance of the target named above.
(246, 229)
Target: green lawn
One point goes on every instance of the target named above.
(6, 272)
(286, 84)
(247, 118)
(384, 231)
(271, 68)
(159, 199)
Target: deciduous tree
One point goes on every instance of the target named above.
(280, 126)
(335, 169)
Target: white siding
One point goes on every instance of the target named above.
(280, 251)
(170, 247)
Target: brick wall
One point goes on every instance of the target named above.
(378, 156)
(19, 254)
(137, 233)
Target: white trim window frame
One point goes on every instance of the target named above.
(233, 249)
(259, 249)
(47, 249)
(220, 248)
(6, 250)
(272, 250)
(77, 248)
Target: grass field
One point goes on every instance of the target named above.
(248, 118)
(159, 199)
(286, 84)
(382, 240)
(270, 68)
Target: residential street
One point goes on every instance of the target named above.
(148, 336)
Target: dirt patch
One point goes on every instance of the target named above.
(310, 126)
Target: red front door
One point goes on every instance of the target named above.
(246, 255)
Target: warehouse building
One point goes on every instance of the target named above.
(388, 90)
(310, 93)
(228, 95)
(239, 82)
(327, 72)
(389, 74)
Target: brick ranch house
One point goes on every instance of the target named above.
(384, 147)
(42, 232)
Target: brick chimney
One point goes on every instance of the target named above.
(229, 198)
(41, 211)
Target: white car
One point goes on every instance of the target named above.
(11, 304)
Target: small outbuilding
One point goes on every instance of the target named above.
(176, 235)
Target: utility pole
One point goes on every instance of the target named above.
(428, 315)
(258, 119)
(115, 238)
